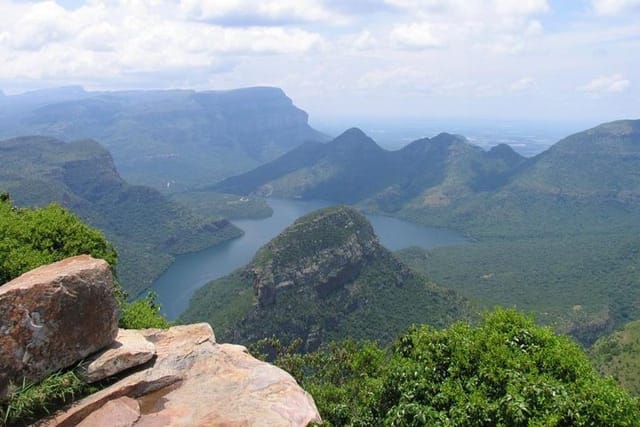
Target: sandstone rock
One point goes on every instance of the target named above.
(53, 316)
(205, 384)
(130, 349)
(121, 412)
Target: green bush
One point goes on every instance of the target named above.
(31, 237)
(505, 372)
(143, 313)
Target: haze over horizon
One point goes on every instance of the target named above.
(474, 59)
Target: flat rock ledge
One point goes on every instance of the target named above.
(193, 381)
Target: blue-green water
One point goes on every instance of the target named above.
(191, 271)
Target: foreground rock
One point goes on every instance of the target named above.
(53, 316)
(130, 349)
(195, 382)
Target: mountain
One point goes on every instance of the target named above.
(172, 139)
(324, 277)
(354, 169)
(145, 226)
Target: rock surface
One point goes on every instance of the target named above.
(195, 382)
(40, 314)
(128, 350)
(121, 412)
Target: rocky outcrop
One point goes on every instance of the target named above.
(323, 251)
(194, 381)
(54, 316)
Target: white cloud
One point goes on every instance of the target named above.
(521, 84)
(606, 84)
(252, 12)
(499, 26)
(417, 35)
(615, 7)
(45, 41)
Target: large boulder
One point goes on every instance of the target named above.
(196, 382)
(54, 316)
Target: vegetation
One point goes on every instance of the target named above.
(143, 313)
(30, 238)
(30, 402)
(504, 372)
(585, 285)
(618, 355)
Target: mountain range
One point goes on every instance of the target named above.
(146, 227)
(586, 179)
(168, 139)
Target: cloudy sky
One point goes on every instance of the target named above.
(496, 59)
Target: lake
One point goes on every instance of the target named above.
(191, 271)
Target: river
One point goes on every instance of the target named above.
(191, 271)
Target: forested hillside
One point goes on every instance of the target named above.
(144, 225)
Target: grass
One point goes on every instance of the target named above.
(31, 401)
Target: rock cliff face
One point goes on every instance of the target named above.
(324, 277)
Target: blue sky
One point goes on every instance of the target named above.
(492, 59)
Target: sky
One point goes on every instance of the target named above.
(475, 59)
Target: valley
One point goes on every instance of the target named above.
(551, 235)
(191, 271)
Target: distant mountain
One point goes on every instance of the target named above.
(172, 139)
(354, 169)
(145, 226)
(324, 277)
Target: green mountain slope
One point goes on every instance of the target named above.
(587, 182)
(172, 139)
(145, 226)
(324, 277)
(618, 355)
